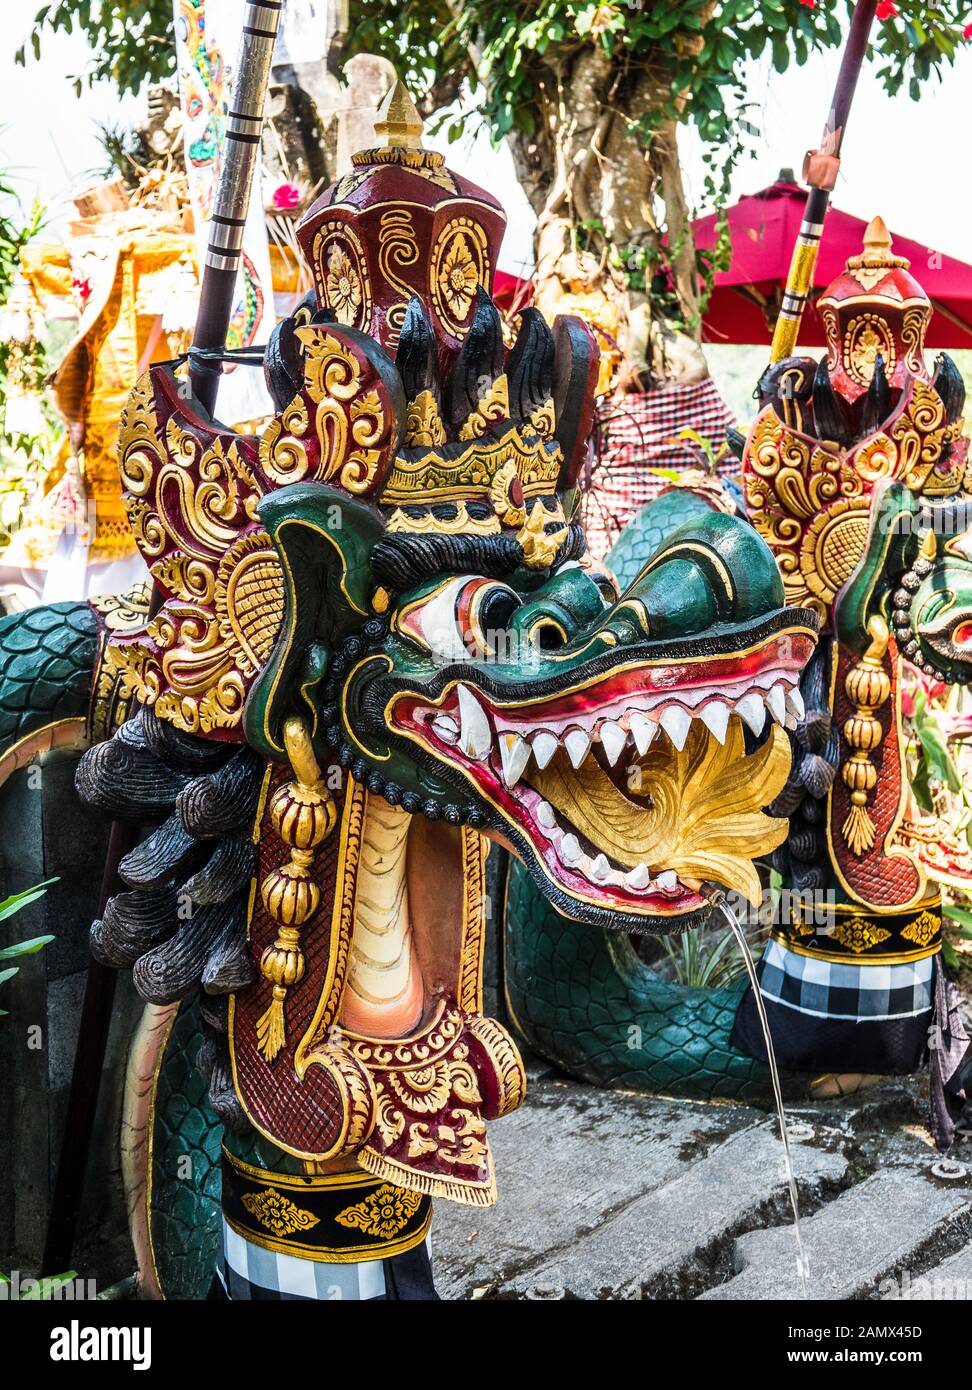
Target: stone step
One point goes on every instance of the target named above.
(606, 1195)
(854, 1243)
(945, 1282)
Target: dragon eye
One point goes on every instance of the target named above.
(463, 620)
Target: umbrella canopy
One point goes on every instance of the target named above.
(763, 228)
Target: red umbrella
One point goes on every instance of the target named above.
(763, 228)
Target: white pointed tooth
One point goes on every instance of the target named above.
(794, 703)
(643, 730)
(676, 723)
(667, 880)
(600, 868)
(475, 738)
(578, 745)
(545, 815)
(569, 850)
(752, 710)
(515, 754)
(446, 727)
(776, 702)
(715, 717)
(613, 739)
(638, 877)
(544, 747)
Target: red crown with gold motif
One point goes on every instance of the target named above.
(874, 307)
(402, 224)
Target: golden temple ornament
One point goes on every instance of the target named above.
(868, 686)
(398, 124)
(302, 813)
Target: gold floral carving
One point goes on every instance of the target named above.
(350, 422)
(341, 267)
(249, 600)
(124, 612)
(493, 406)
(811, 504)
(913, 327)
(860, 934)
(792, 485)
(383, 1213)
(459, 265)
(544, 419)
(188, 501)
(865, 339)
(923, 930)
(507, 1063)
(920, 433)
(473, 925)
(277, 1213)
(428, 164)
(283, 455)
(397, 250)
(503, 492)
(470, 475)
(423, 423)
(540, 546)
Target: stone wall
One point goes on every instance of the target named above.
(44, 831)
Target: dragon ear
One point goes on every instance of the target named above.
(892, 540)
(324, 539)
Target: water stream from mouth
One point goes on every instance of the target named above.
(719, 900)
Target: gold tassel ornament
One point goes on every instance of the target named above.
(302, 813)
(868, 687)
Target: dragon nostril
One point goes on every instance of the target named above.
(548, 635)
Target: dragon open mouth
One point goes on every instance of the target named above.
(629, 792)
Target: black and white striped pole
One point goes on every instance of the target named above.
(224, 251)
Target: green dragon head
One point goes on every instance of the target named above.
(396, 561)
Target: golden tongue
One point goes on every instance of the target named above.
(705, 819)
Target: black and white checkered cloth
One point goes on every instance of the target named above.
(638, 442)
(835, 990)
(247, 1272)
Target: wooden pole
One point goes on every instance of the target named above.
(820, 171)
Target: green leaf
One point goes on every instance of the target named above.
(46, 1288)
(18, 900)
(25, 948)
(8, 974)
(950, 956)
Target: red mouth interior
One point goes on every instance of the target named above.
(643, 689)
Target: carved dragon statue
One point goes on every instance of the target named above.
(376, 646)
(855, 474)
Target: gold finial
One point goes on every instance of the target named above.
(877, 248)
(397, 121)
(877, 238)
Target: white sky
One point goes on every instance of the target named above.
(902, 159)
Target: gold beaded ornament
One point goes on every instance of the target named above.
(302, 813)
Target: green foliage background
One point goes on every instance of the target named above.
(699, 47)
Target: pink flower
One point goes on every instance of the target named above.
(967, 32)
(886, 9)
(286, 195)
(810, 4)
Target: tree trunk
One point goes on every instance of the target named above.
(595, 189)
